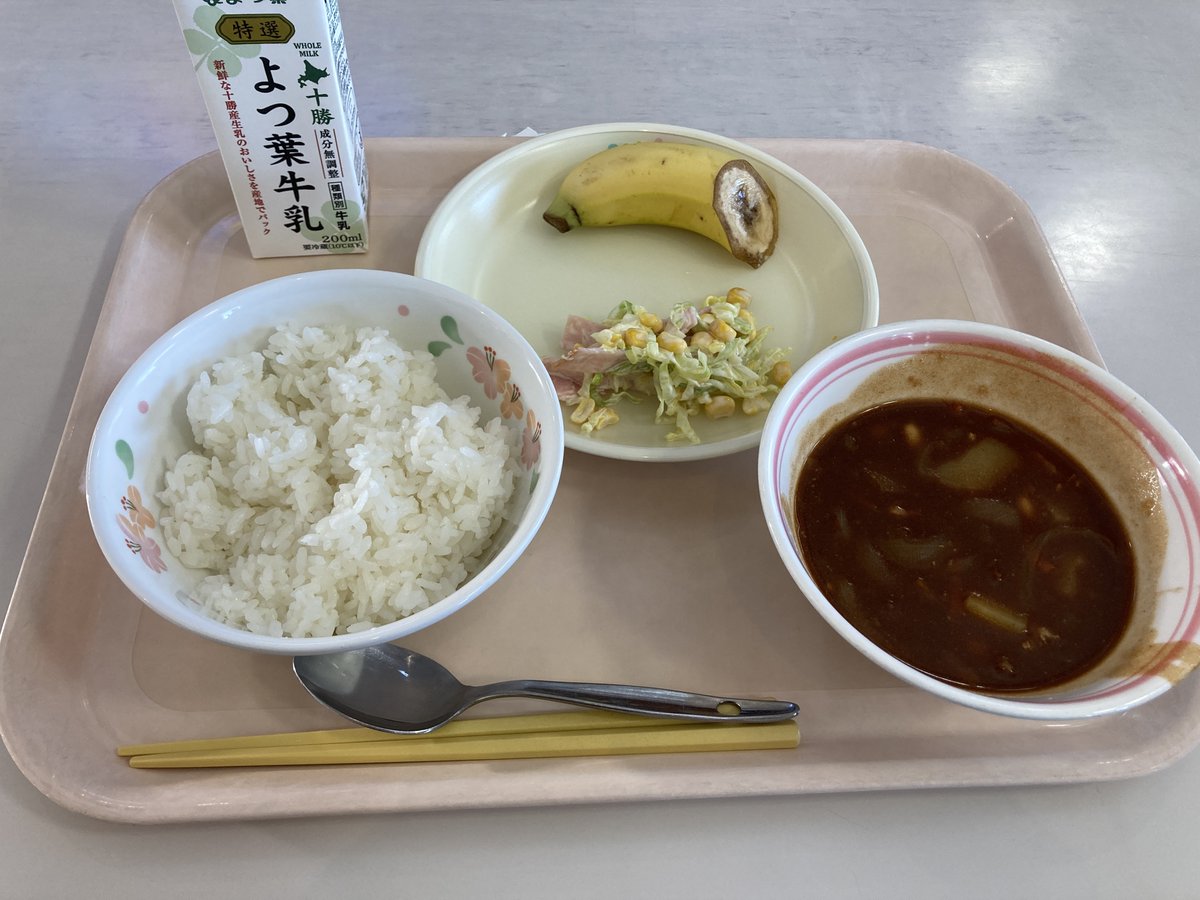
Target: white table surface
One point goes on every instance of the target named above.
(1087, 108)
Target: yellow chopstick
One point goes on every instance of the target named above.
(565, 721)
(687, 737)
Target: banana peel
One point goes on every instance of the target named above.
(700, 189)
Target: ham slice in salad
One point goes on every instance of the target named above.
(582, 358)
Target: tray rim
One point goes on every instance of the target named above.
(1149, 759)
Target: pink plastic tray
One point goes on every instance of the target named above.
(84, 668)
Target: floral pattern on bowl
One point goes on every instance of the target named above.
(494, 374)
(135, 518)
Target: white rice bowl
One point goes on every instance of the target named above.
(336, 487)
(325, 486)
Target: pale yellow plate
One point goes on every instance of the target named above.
(487, 239)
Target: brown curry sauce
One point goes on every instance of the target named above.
(966, 545)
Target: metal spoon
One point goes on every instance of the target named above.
(392, 689)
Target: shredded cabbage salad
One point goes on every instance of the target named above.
(701, 358)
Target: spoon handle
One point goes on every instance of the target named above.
(644, 701)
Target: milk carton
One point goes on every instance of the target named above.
(277, 87)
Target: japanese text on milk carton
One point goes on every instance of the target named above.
(277, 87)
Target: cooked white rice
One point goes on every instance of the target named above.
(336, 486)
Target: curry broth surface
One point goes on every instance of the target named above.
(965, 544)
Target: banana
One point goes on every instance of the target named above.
(708, 191)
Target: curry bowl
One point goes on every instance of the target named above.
(989, 517)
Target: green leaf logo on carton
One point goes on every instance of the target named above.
(207, 45)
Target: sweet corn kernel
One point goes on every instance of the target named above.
(671, 342)
(651, 321)
(752, 405)
(634, 337)
(719, 407)
(722, 331)
(701, 340)
(780, 373)
(738, 295)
